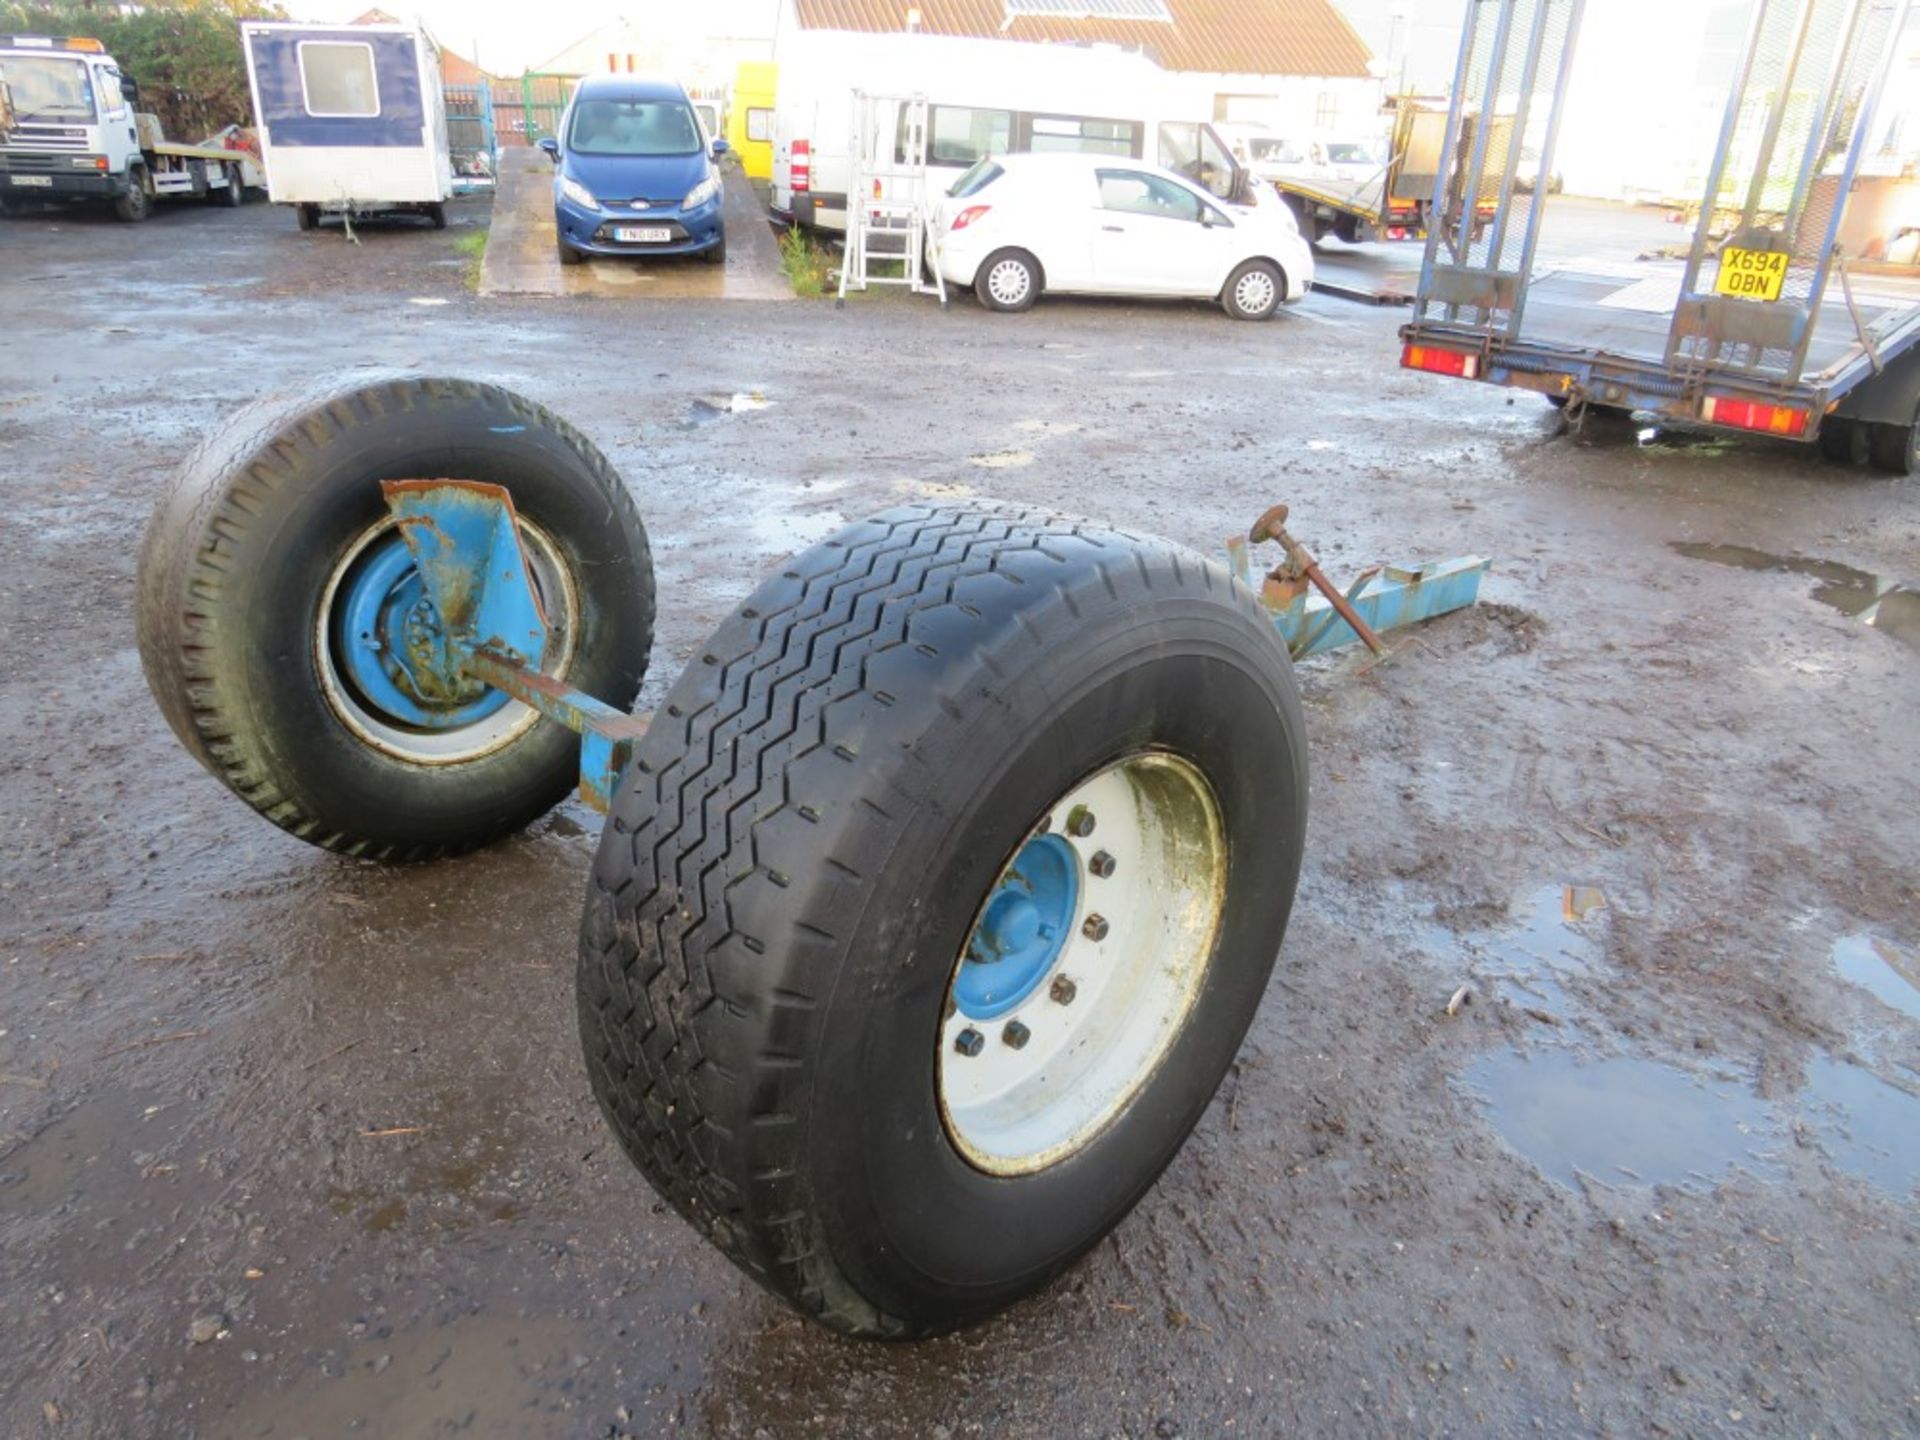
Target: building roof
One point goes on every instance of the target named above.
(1238, 37)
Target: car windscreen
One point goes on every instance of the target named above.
(46, 87)
(633, 127)
(978, 176)
(1349, 155)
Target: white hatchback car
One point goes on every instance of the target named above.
(1015, 225)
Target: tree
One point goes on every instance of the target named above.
(183, 54)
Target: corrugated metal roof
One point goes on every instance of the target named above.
(1256, 37)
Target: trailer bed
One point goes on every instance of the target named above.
(1625, 312)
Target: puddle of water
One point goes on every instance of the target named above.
(1002, 459)
(1618, 1120)
(1867, 1127)
(1550, 938)
(1850, 591)
(1897, 613)
(712, 407)
(1882, 971)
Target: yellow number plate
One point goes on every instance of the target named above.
(1751, 274)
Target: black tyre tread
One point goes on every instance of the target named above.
(712, 1121)
(181, 569)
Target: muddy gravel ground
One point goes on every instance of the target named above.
(292, 1145)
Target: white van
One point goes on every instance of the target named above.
(984, 97)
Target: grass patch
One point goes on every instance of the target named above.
(472, 246)
(808, 266)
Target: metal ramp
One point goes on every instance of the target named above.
(1510, 80)
(889, 222)
(1790, 142)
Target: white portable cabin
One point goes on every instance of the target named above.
(351, 117)
(984, 97)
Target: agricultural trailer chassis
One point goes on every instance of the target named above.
(935, 898)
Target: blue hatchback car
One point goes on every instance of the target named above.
(636, 173)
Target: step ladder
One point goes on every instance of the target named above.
(889, 220)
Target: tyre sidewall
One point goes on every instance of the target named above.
(960, 1243)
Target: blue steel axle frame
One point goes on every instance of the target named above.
(483, 623)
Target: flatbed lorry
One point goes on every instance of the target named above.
(71, 129)
(1763, 328)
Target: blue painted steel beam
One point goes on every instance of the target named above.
(1386, 599)
(466, 546)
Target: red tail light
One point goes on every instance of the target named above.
(801, 167)
(1440, 361)
(967, 216)
(1753, 415)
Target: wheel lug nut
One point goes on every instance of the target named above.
(969, 1042)
(1080, 822)
(1062, 991)
(1102, 864)
(1016, 1035)
(1095, 927)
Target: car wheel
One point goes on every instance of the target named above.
(436, 214)
(568, 255)
(718, 254)
(1009, 280)
(1254, 291)
(274, 586)
(308, 216)
(937, 902)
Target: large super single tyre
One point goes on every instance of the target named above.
(1896, 448)
(436, 214)
(135, 203)
(1008, 281)
(1254, 291)
(937, 903)
(272, 582)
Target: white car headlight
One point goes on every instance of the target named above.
(578, 193)
(701, 193)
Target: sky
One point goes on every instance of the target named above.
(511, 37)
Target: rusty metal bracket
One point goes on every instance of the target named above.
(1382, 597)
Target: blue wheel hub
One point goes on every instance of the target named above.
(385, 639)
(1021, 931)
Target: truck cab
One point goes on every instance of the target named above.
(67, 126)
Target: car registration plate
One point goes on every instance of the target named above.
(43, 180)
(642, 234)
(1751, 274)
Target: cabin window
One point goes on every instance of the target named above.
(1050, 134)
(1133, 193)
(759, 123)
(338, 78)
(960, 135)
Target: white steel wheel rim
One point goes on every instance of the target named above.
(559, 597)
(1009, 281)
(1015, 1104)
(1256, 292)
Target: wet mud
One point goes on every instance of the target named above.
(295, 1145)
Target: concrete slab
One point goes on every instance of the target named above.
(521, 258)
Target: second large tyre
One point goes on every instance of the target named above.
(276, 596)
(937, 903)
